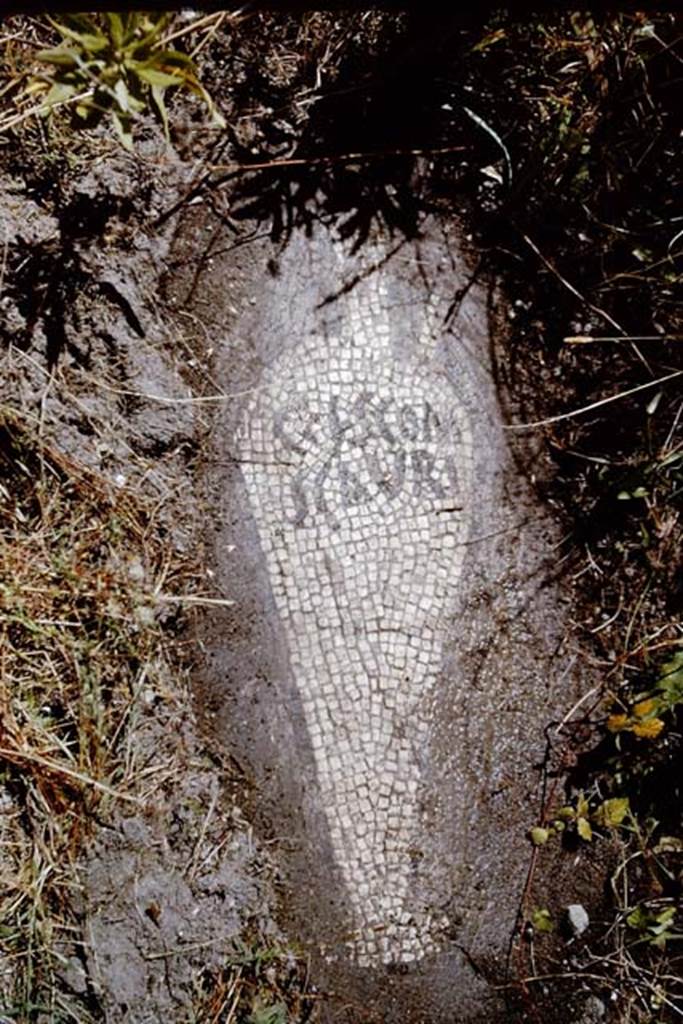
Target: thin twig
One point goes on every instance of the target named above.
(207, 21)
(166, 399)
(570, 287)
(209, 34)
(192, 599)
(589, 339)
(235, 170)
(44, 108)
(582, 700)
(45, 762)
(336, 158)
(593, 405)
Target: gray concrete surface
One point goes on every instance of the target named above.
(397, 641)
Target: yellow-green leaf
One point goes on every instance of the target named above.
(612, 812)
(59, 92)
(541, 920)
(158, 98)
(584, 829)
(115, 23)
(122, 126)
(60, 55)
(92, 43)
(154, 77)
(638, 919)
(539, 835)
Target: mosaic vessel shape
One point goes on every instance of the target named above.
(358, 468)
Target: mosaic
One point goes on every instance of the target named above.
(358, 467)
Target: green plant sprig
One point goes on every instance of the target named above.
(582, 818)
(655, 926)
(117, 65)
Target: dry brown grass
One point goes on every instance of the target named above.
(82, 570)
(91, 644)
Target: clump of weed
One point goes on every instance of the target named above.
(108, 65)
(262, 983)
(117, 64)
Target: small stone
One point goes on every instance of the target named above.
(594, 1010)
(72, 973)
(577, 919)
(136, 569)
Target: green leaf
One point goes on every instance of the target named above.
(638, 919)
(158, 97)
(539, 836)
(60, 55)
(77, 22)
(542, 921)
(116, 30)
(122, 96)
(670, 683)
(611, 813)
(117, 57)
(174, 58)
(123, 130)
(158, 78)
(60, 92)
(584, 829)
(91, 42)
(658, 926)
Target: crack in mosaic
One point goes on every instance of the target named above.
(358, 468)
